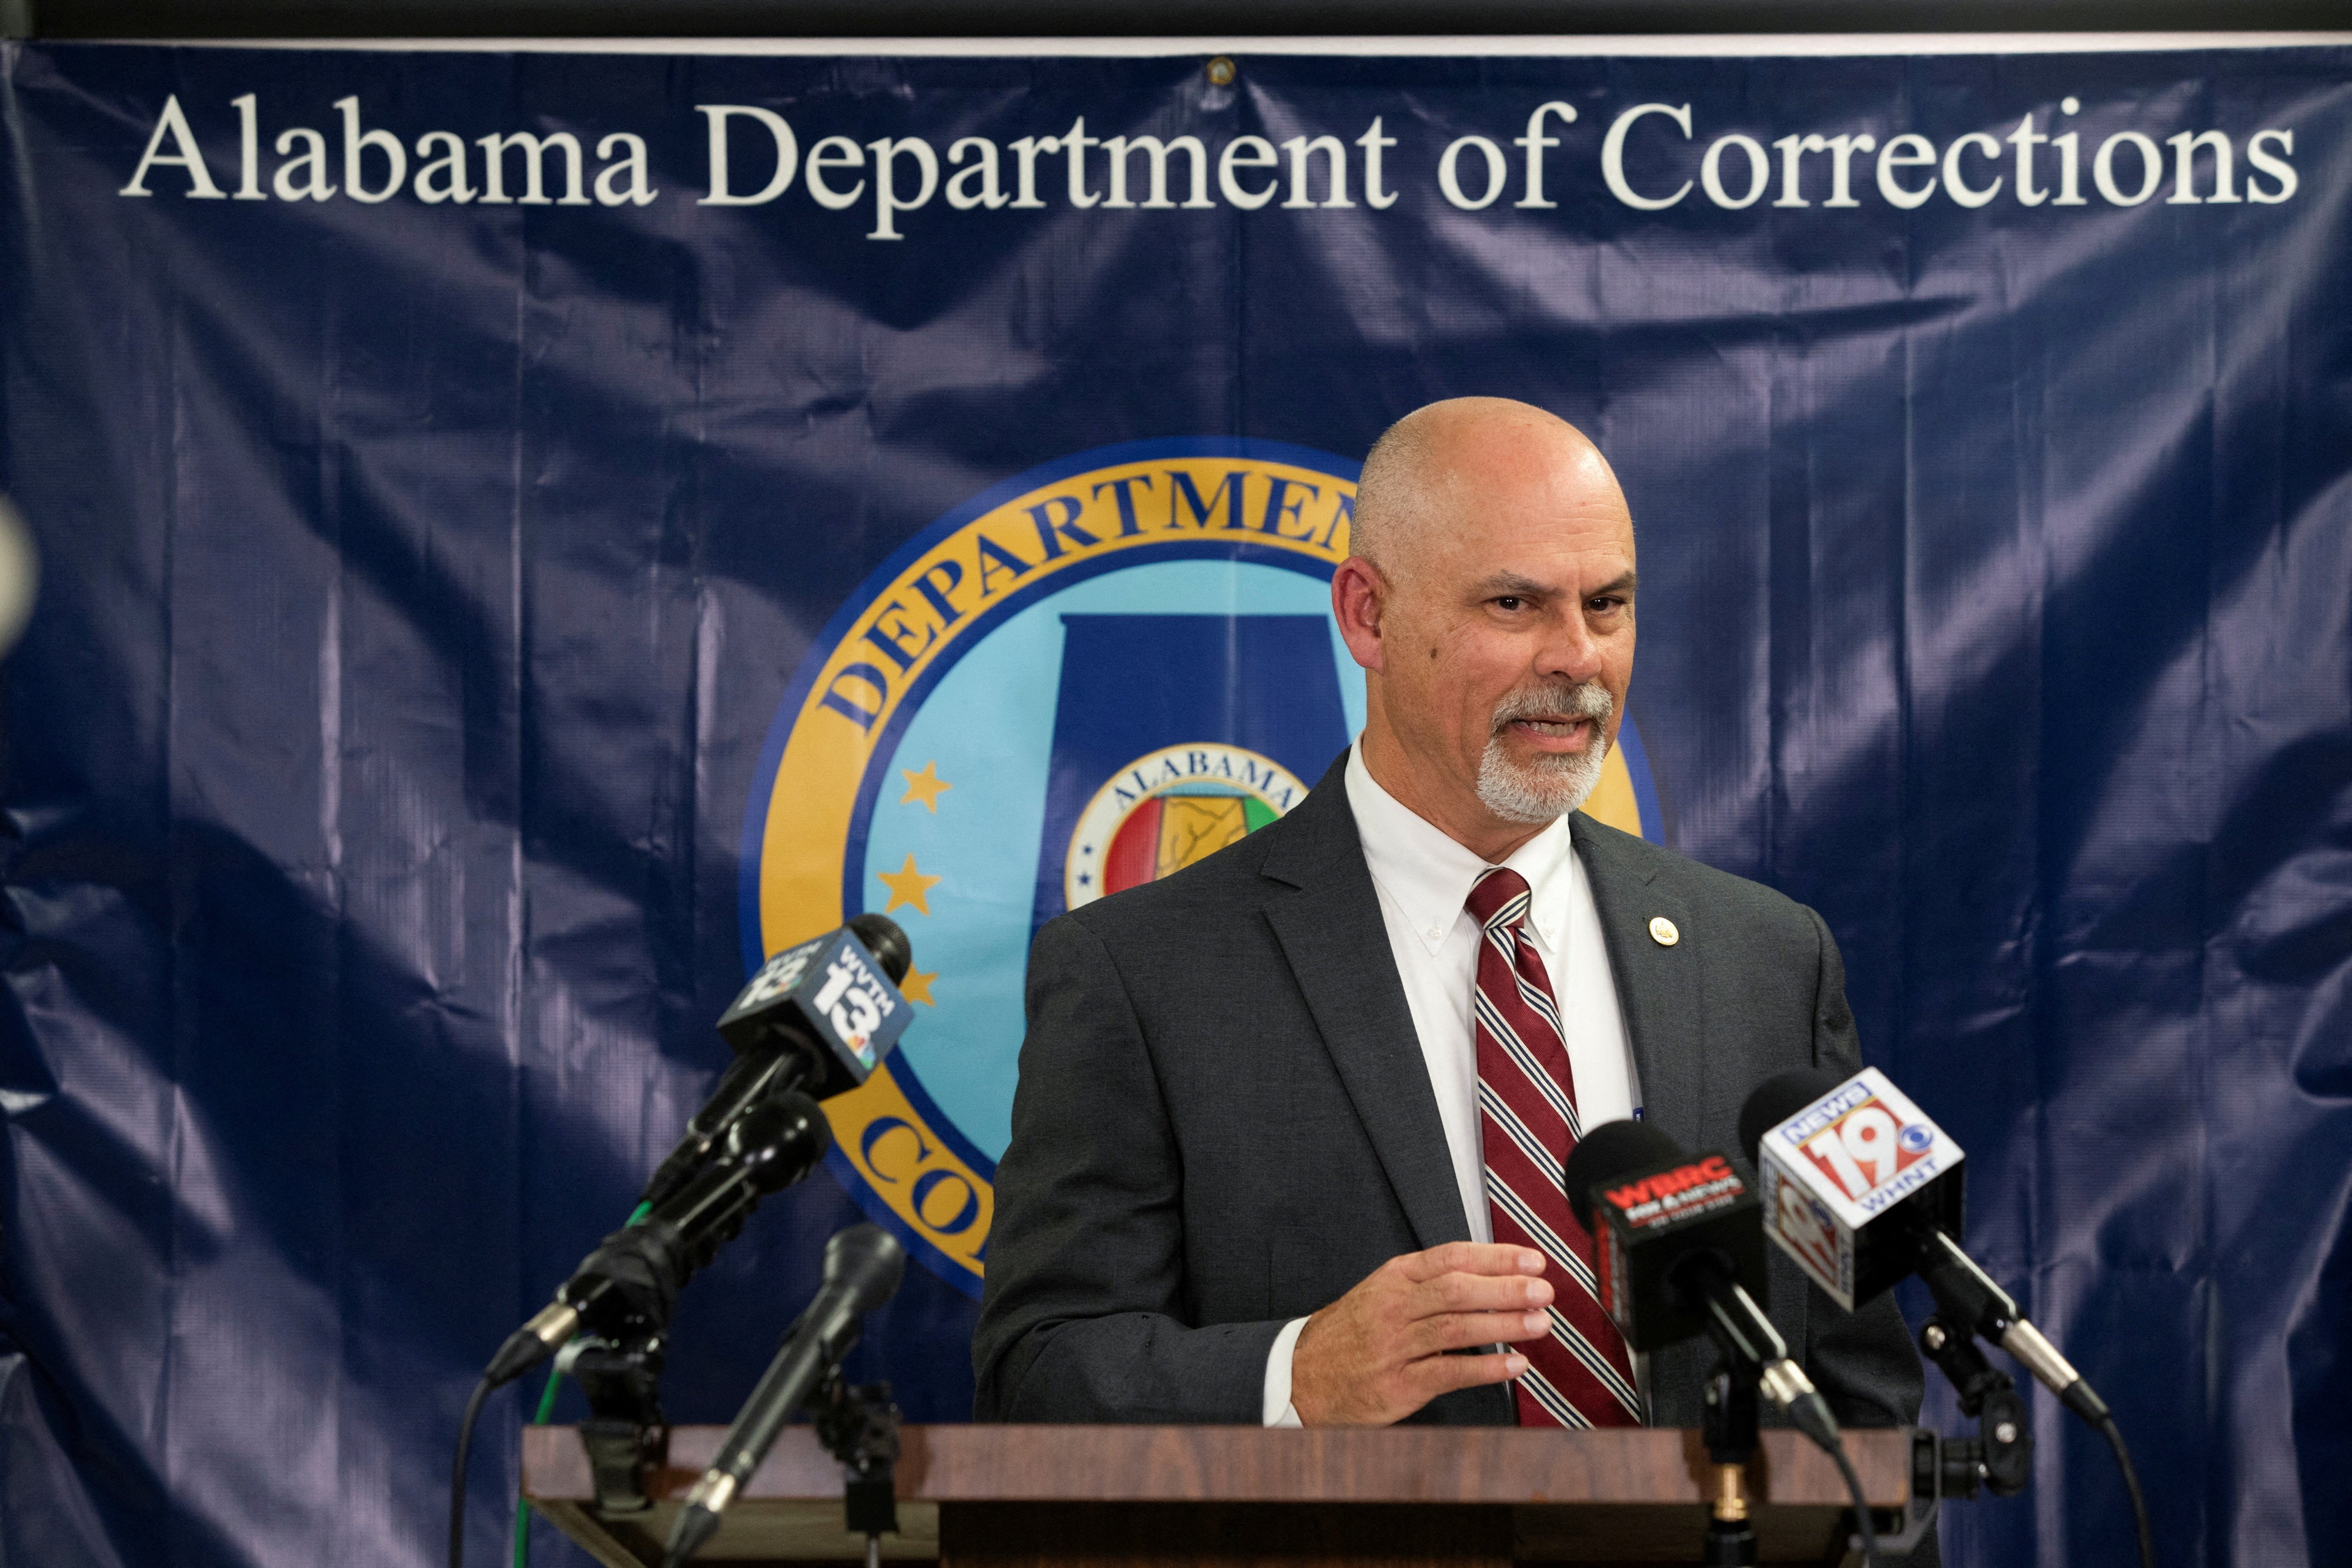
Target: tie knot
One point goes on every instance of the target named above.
(1498, 898)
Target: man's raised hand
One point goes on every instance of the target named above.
(1379, 1353)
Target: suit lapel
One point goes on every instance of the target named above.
(1327, 918)
(1657, 985)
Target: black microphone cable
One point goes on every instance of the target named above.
(2114, 1436)
(1810, 1413)
(1861, 1519)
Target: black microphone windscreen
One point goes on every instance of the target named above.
(887, 941)
(867, 1263)
(1607, 1152)
(1777, 1098)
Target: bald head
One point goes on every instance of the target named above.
(1427, 466)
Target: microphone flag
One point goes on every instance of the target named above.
(1836, 1172)
(1173, 736)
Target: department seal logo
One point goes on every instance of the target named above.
(1087, 678)
(1164, 811)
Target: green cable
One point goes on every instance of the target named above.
(547, 1408)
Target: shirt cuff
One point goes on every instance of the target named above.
(1277, 1408)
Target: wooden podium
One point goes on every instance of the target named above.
(1138, 1497)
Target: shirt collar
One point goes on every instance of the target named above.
(1429, 875)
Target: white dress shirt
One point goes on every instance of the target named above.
(1424, 878)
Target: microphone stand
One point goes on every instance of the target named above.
(859, 1427)
(1948, 1469)
(625, 1435)
(2002, 1459)
(1733, 1402)
(1754, 1361)
(1728, 1428)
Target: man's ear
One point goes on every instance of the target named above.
(1359, 595)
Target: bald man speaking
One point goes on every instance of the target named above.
(1286, 1146)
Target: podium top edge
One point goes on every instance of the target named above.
(1421, 1465)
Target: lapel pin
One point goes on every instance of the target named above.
(1662, 932)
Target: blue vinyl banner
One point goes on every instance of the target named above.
(524, 536)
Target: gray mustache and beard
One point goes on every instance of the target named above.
(1547, 786)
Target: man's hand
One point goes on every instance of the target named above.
(1378, 1352)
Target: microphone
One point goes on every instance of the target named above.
(627, 1285)
(834, 996)
(862, 1268)
(1678, 1244)
(817, 1017)
(1862, 1189)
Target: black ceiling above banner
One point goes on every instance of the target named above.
(1170, 18)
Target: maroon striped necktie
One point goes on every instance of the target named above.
(1581, 1375)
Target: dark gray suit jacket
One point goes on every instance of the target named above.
(1224, 1121)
